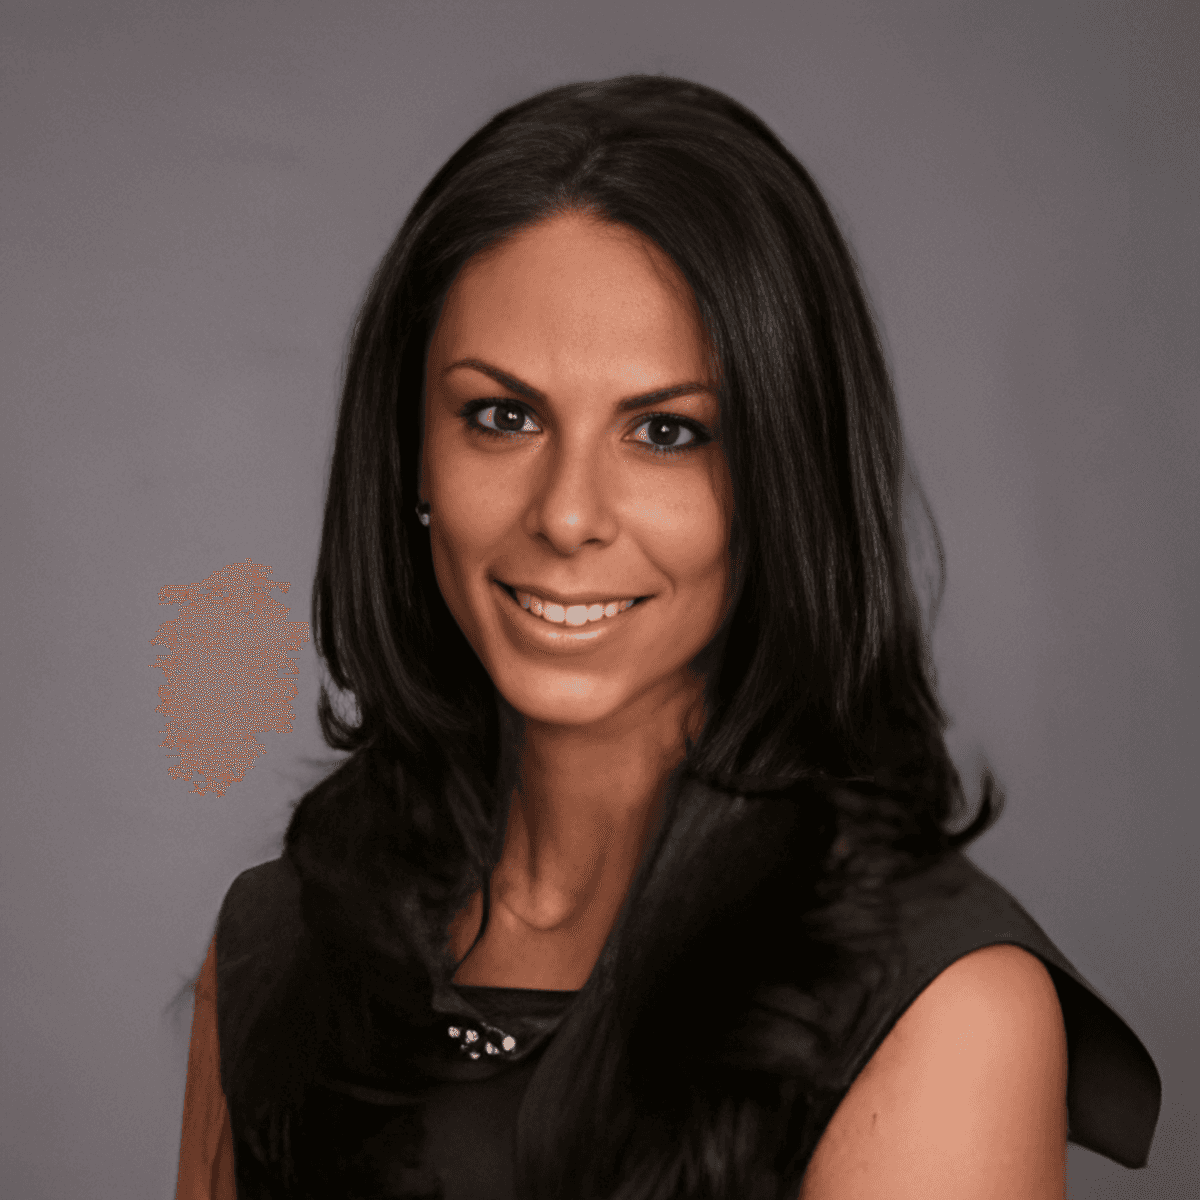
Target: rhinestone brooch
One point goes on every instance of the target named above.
(497, 1042)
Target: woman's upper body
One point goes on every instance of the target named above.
(956, 1077)
(619, 361)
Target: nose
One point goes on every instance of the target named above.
(571, 507)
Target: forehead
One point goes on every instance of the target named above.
(573, 293)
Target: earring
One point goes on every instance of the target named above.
(423, 512)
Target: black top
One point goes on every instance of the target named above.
(456, 1140)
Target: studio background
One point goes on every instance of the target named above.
(194, 197)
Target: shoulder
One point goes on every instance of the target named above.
(272, 879)
(262, 905)
(259, 931)
(966, 1095)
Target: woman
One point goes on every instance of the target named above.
(636, 882)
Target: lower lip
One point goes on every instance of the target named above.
(561, 638)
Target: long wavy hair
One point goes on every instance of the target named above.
(823, 720)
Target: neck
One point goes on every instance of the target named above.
(588, 801)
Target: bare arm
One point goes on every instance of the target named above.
(965, 1098)
(206, 1147)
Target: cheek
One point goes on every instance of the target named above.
(460, 540)
(685, 528)
(461, 527)
(470, 499)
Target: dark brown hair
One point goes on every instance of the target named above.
(822, 705)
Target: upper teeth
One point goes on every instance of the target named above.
(576, 614)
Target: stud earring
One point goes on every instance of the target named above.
(423, 512)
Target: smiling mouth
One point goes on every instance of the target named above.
(573, 615)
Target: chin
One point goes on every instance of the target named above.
(578, 702)
(568, 698)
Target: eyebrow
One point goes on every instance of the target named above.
(643, 400)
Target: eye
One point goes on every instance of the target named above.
(667, 434)
(504, 417)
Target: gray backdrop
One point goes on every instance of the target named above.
(194, 198)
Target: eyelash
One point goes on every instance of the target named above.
(700, 435)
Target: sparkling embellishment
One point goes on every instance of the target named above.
(497, 1041)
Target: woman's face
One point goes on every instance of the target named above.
(560, 484)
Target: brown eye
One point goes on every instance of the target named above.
(502, 418)
(665, 434)
(508, 418)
